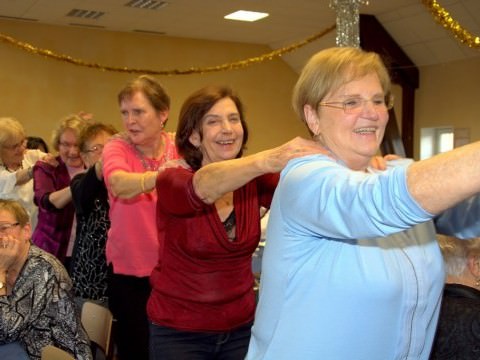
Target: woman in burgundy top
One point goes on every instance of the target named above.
(55, 229)
(208, 217)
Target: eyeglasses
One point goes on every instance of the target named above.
(16, 146)
(95, 149)
(67, 145)
(355, 105)
(7, 227)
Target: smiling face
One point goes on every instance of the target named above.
(68, 149)
(141, 120)
(222, 133)
(352, 137)
(10, 226)
(12, 152)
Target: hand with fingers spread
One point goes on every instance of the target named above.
(275, 159)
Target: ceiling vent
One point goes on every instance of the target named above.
(146, 4)
(86, 14)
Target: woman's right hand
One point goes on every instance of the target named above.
(277, 158)
(9, 251)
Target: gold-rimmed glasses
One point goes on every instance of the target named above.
(97, 148)
(356, 104)
(7, 227)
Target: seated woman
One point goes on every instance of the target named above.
(36, 303)
(458, 331)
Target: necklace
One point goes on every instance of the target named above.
(150, 164)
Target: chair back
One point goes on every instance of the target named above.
(51, 352)
(97, 321)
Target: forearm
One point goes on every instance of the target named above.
(216, 179)
(61, 198)
(24, 175)
(445, 179)
(128, 185)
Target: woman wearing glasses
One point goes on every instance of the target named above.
(88, 267)
(351, 267)
(55, 231)
(36, 303)
(16, 166)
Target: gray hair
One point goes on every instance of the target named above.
(456, 252)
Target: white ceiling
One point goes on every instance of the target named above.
(409, 22)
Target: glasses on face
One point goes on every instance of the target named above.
(67, 145)
(7, 227)
(96, 149)
(356, 105)
(17, 146)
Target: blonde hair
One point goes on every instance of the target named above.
(456, 252)
(16, 209)
(329, 69)
(11, 129)
(70, 122)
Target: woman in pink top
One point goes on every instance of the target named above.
(131, 162)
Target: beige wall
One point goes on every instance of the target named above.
(40, 91)
(449, 95)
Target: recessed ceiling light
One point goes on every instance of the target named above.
(243, 15)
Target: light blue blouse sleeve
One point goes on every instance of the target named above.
(325, 198)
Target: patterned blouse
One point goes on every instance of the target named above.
(41, 310)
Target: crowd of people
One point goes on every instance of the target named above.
(160, 227)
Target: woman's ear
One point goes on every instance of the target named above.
(195, 139)
(311, 118)
(473, 264)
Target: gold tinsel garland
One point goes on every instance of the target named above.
(444, 18)
(193, 70)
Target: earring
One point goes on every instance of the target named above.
(477, 282)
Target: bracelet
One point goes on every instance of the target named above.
(142, 182)
(30, 172)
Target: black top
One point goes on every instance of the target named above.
(458, 332)
(89, 265)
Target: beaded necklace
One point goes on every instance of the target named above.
(150, 164)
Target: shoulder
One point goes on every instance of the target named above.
(44, 262)
(32, 156)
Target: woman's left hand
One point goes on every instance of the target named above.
(50, 159)
(380, 162)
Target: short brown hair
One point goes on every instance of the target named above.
(151, 88)
(329, 69)
(191, 118)
(16, 209)
(92, 130)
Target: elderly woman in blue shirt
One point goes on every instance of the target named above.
(351, 268)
